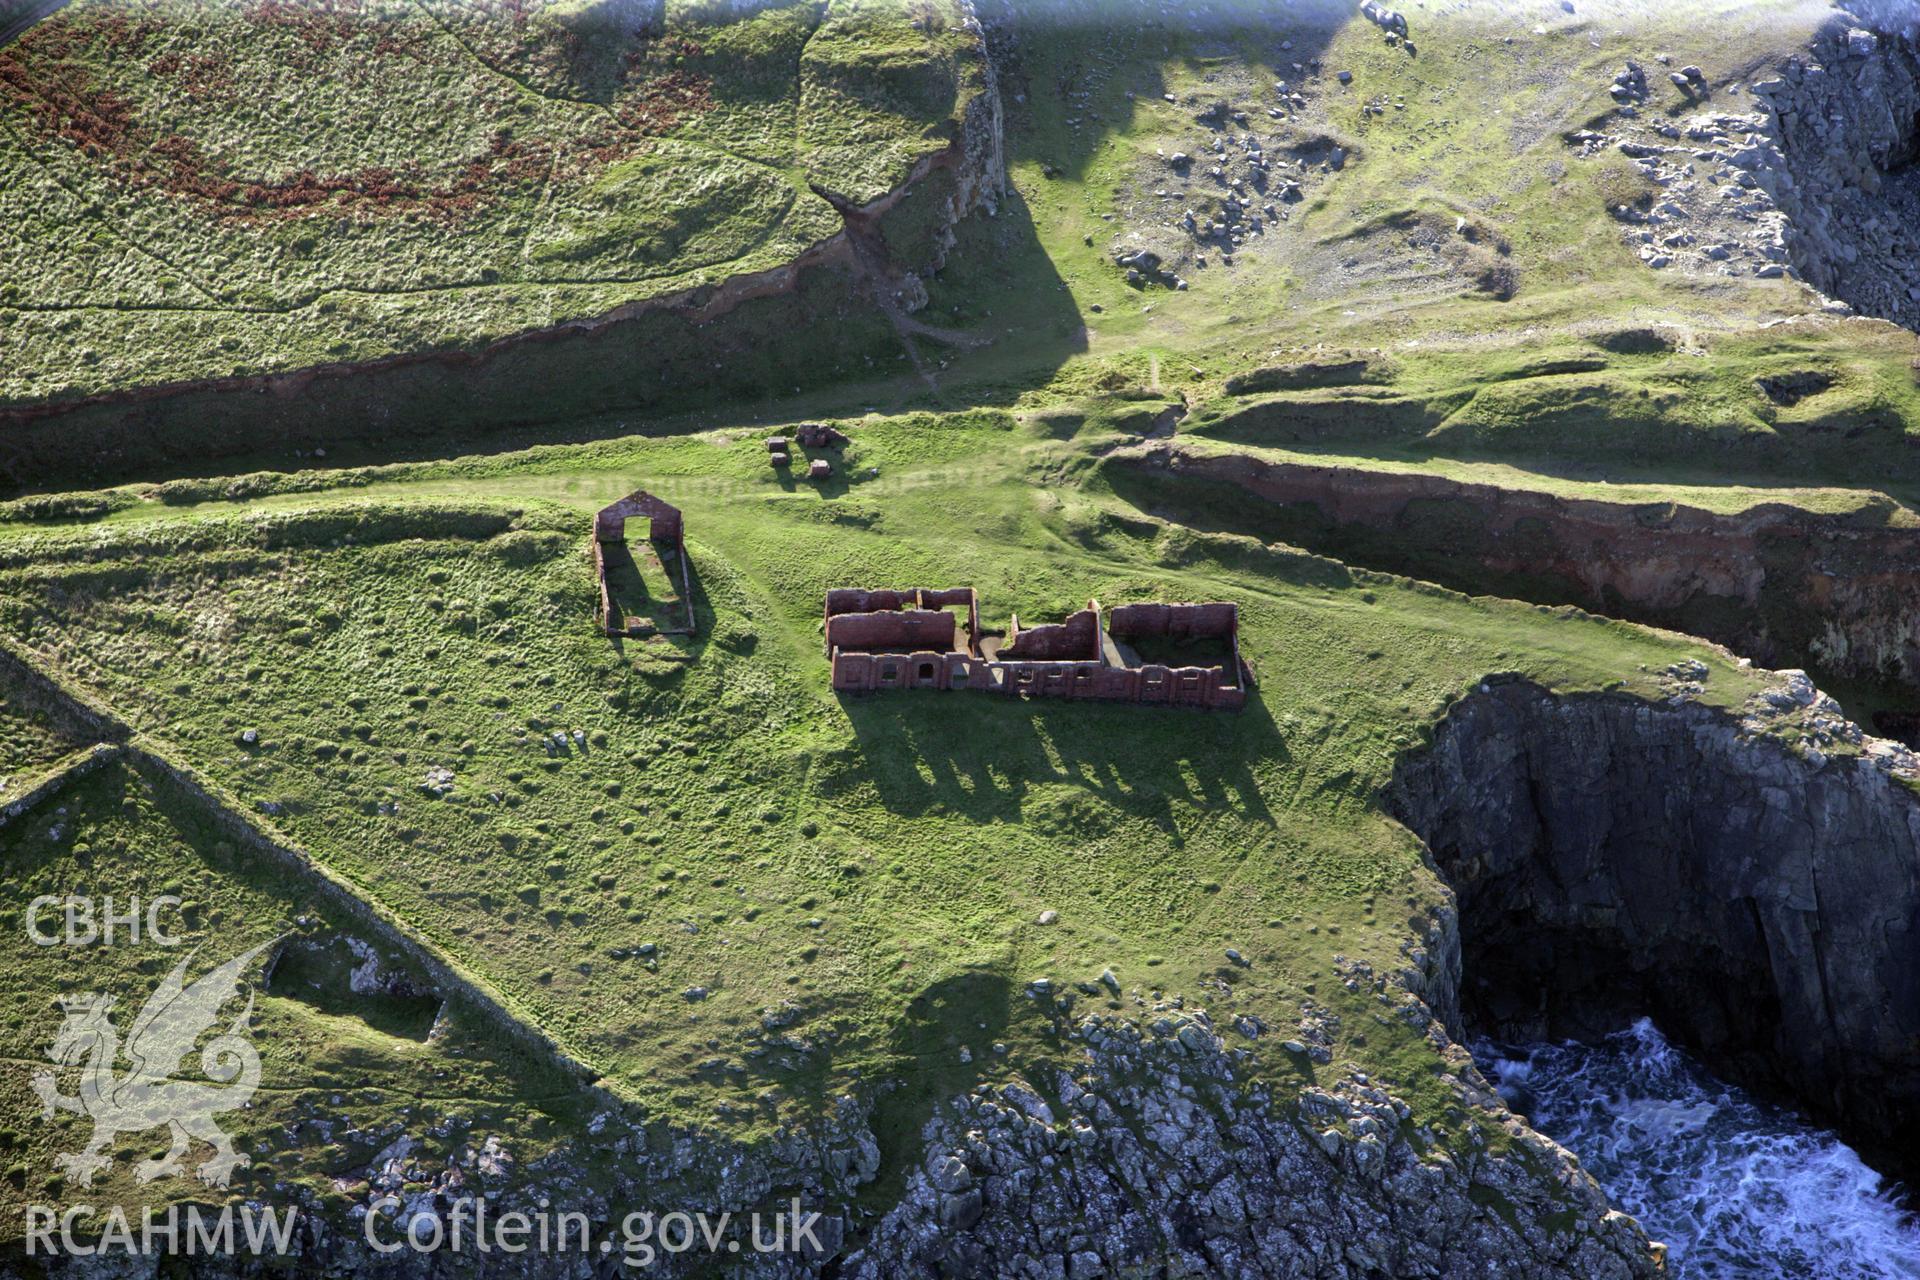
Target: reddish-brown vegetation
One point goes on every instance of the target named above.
(45, 77)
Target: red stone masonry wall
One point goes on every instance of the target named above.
(610, 622)
(1056, 660)
(932, 629)
(610, 525)
(1076, 638)
(667, 525)
(854, 600)
(1180, 621)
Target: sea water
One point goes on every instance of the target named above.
(1738, 1189)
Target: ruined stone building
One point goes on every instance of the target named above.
(1185, 655)
(809, 435)
(619, 575)
(818, 435)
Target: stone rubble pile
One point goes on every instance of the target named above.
(1813, 170)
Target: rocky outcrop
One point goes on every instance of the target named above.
(1777, 583)
(1615, 858)
(1161, 1158)
(894, 242)
(978, 157)
(1844, 166)
(1815, 173)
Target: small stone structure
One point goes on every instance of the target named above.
(925, 639)
(808, 435)
(667, 529)
(818, 435)
(610, 525)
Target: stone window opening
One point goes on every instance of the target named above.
(918, 638)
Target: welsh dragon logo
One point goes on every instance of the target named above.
(146, 1095)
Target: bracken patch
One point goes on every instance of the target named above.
(47, 77)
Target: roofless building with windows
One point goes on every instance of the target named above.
(1185, 655)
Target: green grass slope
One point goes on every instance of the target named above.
(710, 878)
(343, 1075)
(196, 190)
(1465, 246)
(732, 893)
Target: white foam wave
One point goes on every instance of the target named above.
(1738, 1190)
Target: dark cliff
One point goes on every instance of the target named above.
(1615, 857)
(1780, 584)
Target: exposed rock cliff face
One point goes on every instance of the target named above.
(1844, 165)
(1615, 857)
(1158, 1160)
(1776, 583)
(1818, 171)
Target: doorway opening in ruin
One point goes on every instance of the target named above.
(926, 673)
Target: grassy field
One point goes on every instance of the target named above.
(729, 892)
(1577, 362)
(343, 1074)
(34, 739)
(662, 849)
(196, 190)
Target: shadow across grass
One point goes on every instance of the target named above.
(984, 758)
(647, 589)
(971, 1010)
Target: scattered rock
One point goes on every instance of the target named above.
(1386, 19)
